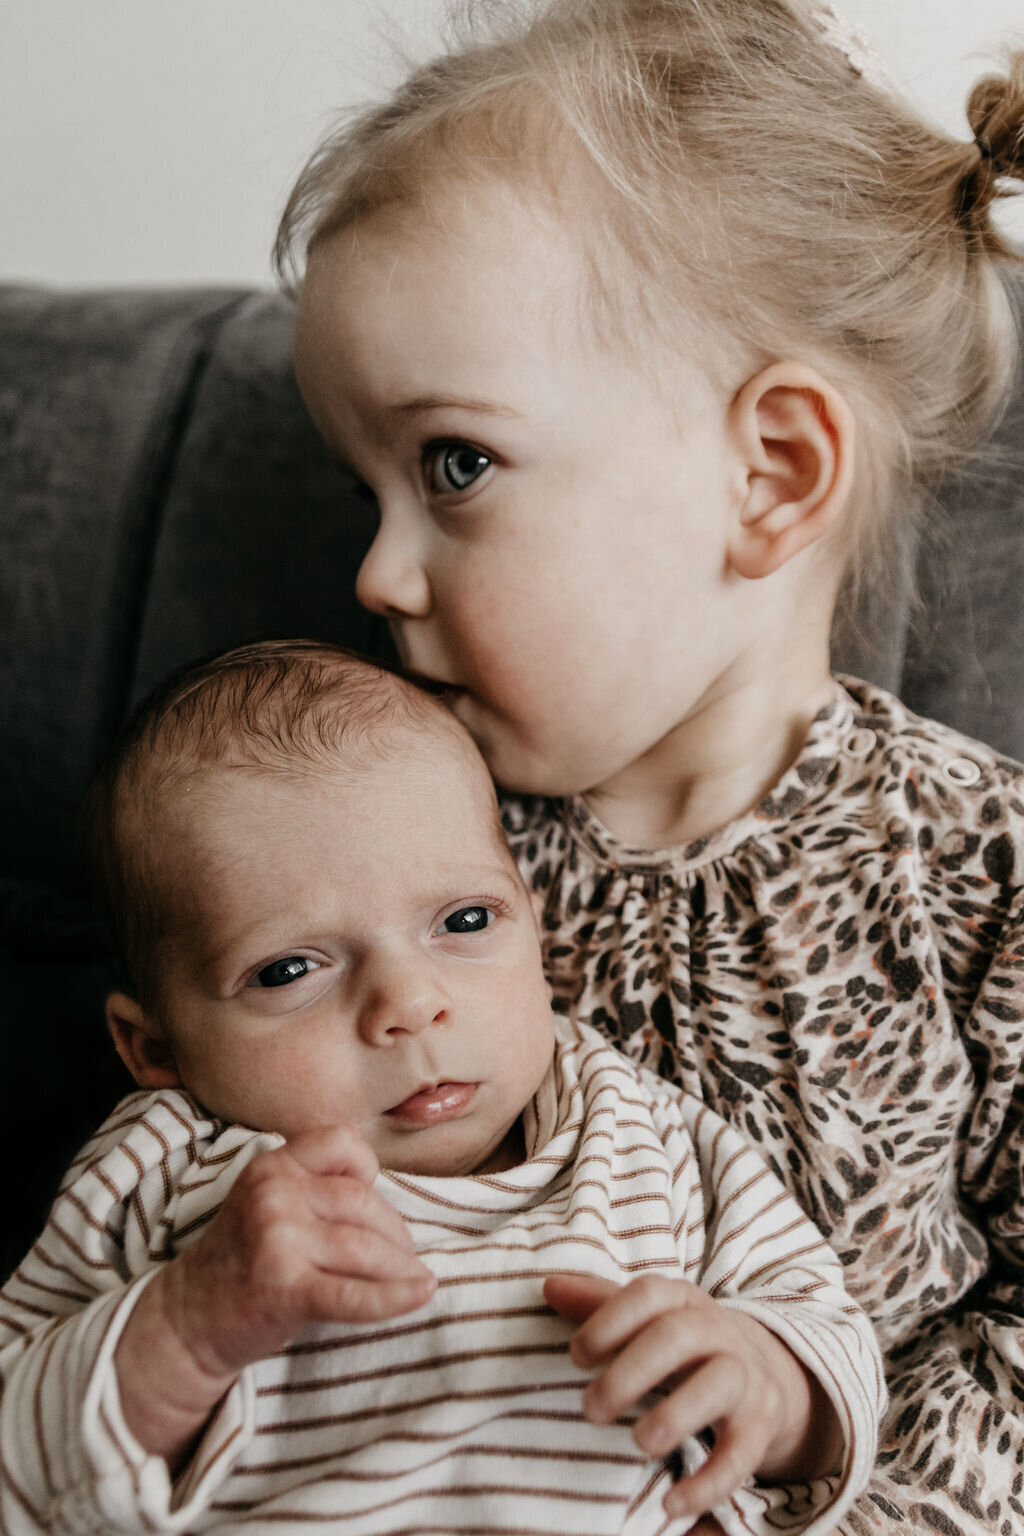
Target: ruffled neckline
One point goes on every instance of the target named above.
(800, 786)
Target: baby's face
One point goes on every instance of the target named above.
(554, 513)
(359, 950)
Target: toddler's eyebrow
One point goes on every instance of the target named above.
(419, 405)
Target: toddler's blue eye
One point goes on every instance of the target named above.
(469, 920)
(455, 466)
(280, 972)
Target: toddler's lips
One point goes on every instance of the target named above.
(441, 1101)
(433, 684)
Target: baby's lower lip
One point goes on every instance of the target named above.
(430, 1106)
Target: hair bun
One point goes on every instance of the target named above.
(995, 111)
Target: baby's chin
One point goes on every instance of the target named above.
(440, 1156)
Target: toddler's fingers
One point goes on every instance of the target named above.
(576, 1297)
(333, 1149)
(627, 1310)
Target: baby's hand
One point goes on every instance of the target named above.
(301, 1237)
(721, 1369)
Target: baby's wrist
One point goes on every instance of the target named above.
(167, 1394)
(809, 1443)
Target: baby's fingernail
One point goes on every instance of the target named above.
(578, 1354)
(676, 1502)
(655, 1439)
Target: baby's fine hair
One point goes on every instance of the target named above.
(750, 172)
(282, 706)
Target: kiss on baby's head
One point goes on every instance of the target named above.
(642, 321)
(300, 857)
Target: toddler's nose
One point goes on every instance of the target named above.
(392, 579)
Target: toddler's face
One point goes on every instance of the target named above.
(554, 517)
(359, 950)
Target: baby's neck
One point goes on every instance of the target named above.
(509, 1154)
(717, 763)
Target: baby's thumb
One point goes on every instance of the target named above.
(575, 1297)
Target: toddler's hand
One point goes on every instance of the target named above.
(301, 1237)
(721, 1370)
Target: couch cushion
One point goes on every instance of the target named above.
(94, 393)
(260, 533)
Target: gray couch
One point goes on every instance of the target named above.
(162, 495)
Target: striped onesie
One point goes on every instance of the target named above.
(463, 1416)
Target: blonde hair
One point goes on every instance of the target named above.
(752, 175)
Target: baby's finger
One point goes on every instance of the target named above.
(714, 1394)
(577, 1297)
(331, 1149)
(728, 1467)
(343, 1200)
(349, 1299)
(668, 1344)
(361, 1253)
(627, 1310)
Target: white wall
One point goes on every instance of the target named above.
(153, 141)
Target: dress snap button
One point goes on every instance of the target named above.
(960, 770)
(859, 744)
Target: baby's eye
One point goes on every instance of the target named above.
(280, 972)
(454, 466)
(469, 920)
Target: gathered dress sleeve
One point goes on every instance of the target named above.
(145, 1186)
(957, 1377)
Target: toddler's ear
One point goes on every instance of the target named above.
(795, 436)
(141, 1043)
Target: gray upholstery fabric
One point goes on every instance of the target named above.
(92, 393)
(162, 494)
(965, 653)
(259, 533)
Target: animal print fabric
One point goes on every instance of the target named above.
(840, 974)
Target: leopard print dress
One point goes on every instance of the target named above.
(840, 973)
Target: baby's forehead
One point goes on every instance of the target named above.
(225, 830)
(185, 800)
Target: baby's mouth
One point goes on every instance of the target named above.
(434, 1103)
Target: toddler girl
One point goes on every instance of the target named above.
(645, 321)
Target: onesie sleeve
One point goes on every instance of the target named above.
(755, 1250)
(145, 1186)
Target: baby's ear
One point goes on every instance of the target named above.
(795, 436)
(141, 1043)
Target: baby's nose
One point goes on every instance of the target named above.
(403, 997)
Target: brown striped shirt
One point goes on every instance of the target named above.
(464, 1416)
